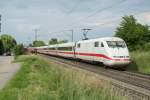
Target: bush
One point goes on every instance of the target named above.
(1, 47)
(147, 47)
(141, 61)
(18, 50)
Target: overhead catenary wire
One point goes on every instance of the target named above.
(74, 7)
(107, 22)
(114, 20)
(91, 15)
(98, 11)
(105, 8)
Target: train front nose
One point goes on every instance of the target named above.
(119, 57)
(118, 62)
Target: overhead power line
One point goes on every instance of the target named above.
(107, 22)
(115, 20)
(0, 22)
(90, 15)
(105, 8)
(98, 11)
(75, 6)
(36, 30)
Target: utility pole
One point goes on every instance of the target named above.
(85, 31)
(35, 34)
(72, 35)
(35, 39)
(29, 40)
(0, 22)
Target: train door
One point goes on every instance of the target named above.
(99, 51)
(102, 51)
(78, 50)
(96, 50)
(74, 50)
(56, 49)
(87, 51)
(84, 50)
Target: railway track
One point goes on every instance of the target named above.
(142, 75)
(140, 83)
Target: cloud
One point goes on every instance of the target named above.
(26, 28)
(21, 17)
(144, 17)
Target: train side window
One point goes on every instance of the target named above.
(65, 48)
(102, 45)
(78, 45)
(51, 48)
(96, 44)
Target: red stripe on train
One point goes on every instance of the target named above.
(95, 55)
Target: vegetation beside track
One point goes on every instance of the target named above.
(141, 61)
(39, 79)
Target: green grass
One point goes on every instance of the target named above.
(39, 79)
(141, 61)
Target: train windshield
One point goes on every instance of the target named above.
(116, 44)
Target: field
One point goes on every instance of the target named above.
(141, 61)
(39, 79)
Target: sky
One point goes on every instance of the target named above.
(56, 18)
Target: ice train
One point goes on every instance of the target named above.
(111, 51)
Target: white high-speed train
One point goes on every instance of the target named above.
(111, 51)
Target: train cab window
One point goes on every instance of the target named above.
(102, 45)
(78, 46)
(116, 44)
(96, 44)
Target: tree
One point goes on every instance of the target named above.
(63, 41)
(8, 42)
(1, 47)
(53, 41)
(18, 50)
(38, 43)
(134, 33)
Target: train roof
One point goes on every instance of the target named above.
(66, 44)
(62, 45)
(82, 41)
(102, 39)
(112, 38)
(52, 46)
(41, 47)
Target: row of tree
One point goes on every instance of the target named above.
(51, 42)
(9, 44)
